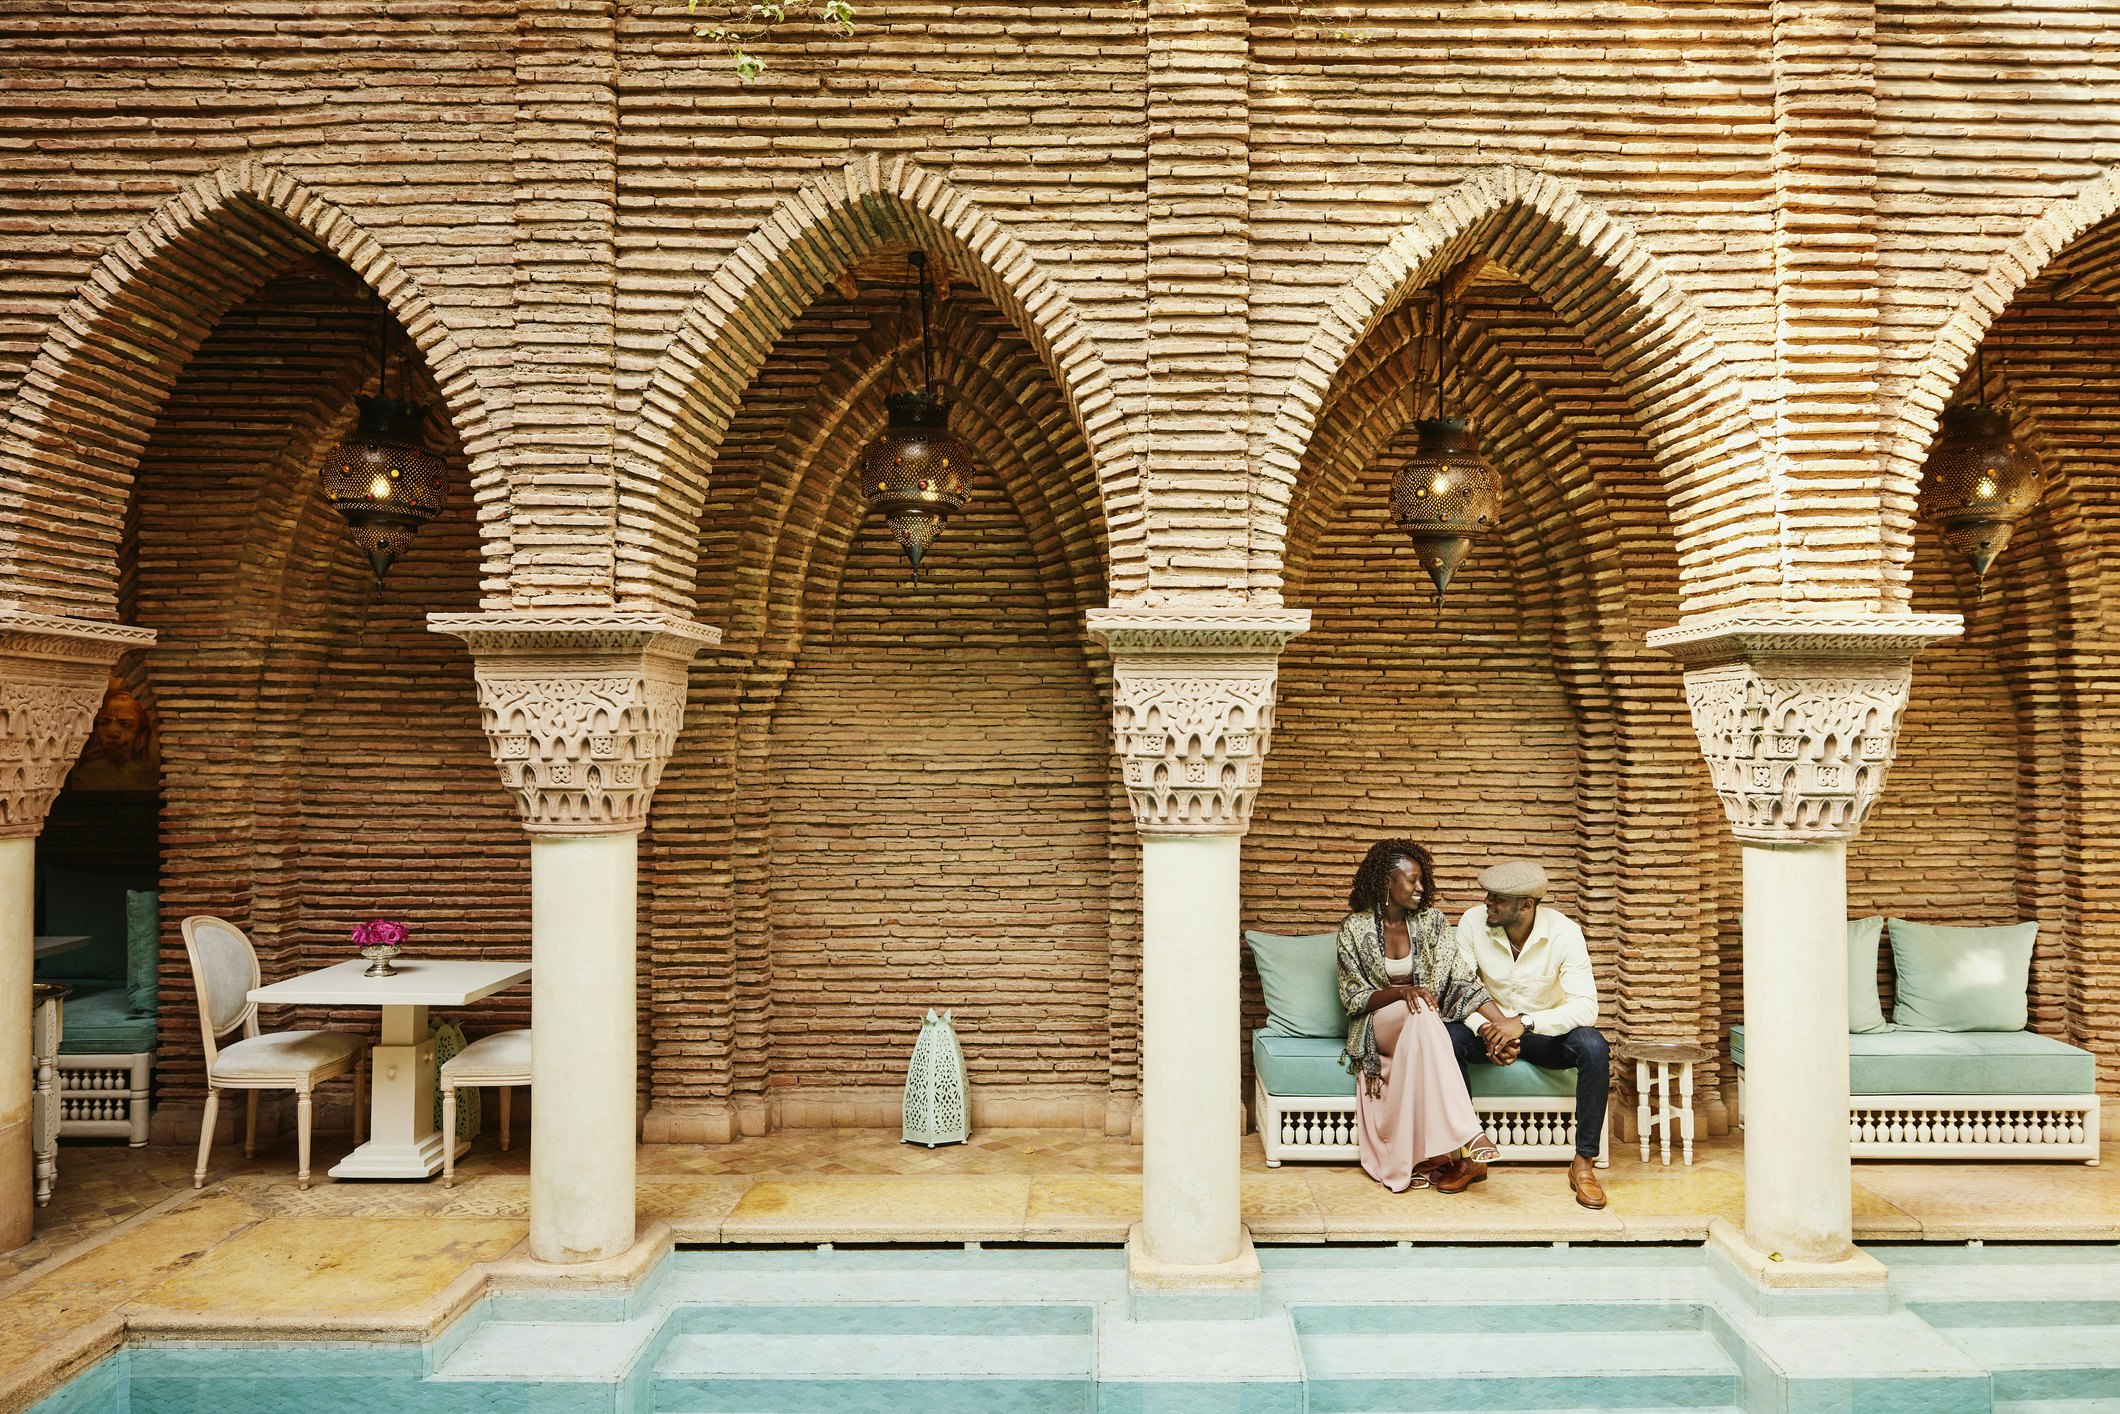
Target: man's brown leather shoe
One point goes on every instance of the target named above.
(1582, 1177)
(1460, 1176)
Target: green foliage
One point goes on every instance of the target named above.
(740, 25)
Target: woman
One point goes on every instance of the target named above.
(1401, 978)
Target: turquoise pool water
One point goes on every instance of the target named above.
(2023, 1330)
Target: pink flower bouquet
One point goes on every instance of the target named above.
(379, 933)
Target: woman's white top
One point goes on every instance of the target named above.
(1398, 969)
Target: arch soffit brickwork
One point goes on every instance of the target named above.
(1021, 425)
(88, 402)
(810, 552)
(1693, 410)
(1375, 399)
(1950, 354)
(726, 334)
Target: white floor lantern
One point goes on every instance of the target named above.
(937, 1109)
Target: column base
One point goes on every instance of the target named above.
(1172, 1291)
(1772, 1284)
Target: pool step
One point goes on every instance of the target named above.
(2038, 1353)
(849, 1359)
(1488, 1357)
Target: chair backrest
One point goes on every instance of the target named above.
(224, 968)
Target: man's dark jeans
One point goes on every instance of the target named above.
(1583, 1048)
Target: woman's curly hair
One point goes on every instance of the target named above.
(1383, 857)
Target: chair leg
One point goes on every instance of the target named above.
(360, 1100)
(213, 1113)
(250, 1125)
(448, 1136)
(301, 1127)
(507, 1104)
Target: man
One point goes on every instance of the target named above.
(1536, 966)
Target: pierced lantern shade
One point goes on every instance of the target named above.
(937, 1100)
(1444, 495)
(1979, 479)
(916, 473)
(383, 481)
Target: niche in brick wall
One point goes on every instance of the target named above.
(322, 759)
(1525, 717)
(889, 796)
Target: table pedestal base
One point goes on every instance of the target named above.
(420, 1159)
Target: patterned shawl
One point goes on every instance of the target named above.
(1451, 977)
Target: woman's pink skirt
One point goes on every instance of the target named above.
(1424, 1114)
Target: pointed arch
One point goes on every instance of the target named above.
(88, 401)
(1950, 353)
(724, 336)
(1596, 274)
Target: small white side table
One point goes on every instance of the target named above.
(46, 1024)
(402, 1139)
(1663, 1056)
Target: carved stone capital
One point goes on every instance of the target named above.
(52, 675)
(1798, 715)
(1192, 710)
(582, 709)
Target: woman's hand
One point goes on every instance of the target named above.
(1417, 998)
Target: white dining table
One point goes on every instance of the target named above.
(402, 1139)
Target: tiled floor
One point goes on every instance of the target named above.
(126, 1239)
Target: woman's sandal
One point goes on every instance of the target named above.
(1483, 1150)
(1419, 1180)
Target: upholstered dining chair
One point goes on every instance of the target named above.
(502, 1059)
(224, 969)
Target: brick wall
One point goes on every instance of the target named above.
(1741, 255)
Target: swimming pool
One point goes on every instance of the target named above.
(1340, 1330)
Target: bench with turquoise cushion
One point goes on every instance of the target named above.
(1303, 1099)
(1965, 1094)
(107, 1039)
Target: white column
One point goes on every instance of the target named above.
(18, 859)
(1797, 1181)
(583, 1055)
(1192, 1148)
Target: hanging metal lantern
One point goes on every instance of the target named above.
(1444, 495)
(918, 474)
(1978, 481)
(383, 480)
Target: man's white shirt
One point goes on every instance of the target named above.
(1548, 984)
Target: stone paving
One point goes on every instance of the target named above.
(127, 1244)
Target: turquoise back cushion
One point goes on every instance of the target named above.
(1961, 979)
(1300, 977)
(143, 950)
(90, 902)
(1865, 1016)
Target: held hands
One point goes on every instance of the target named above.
(1505, 1039)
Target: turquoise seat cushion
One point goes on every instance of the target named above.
(1309, 1067)
(1961, 979)
(95, 1021)
(1300, 978)
(1960, 1063)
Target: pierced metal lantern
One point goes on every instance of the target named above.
(917, 473)
(1978, 481)
(938, 1107)
(383, 480)
(1445, 494)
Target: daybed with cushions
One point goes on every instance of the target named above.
(1303, 1098)
(1954, 1074)
(107, 1046)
